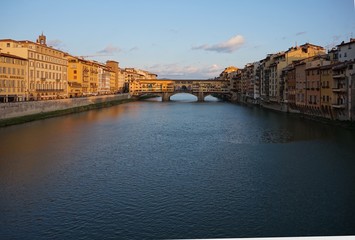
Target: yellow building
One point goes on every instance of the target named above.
(82, 77)
(13, 78)
(151, 85)
(76, 73)
(93, 76)
(227, 73)
(113, 81)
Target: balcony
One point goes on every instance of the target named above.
(339, 89)
(339, 76)
(338, 106)
(49, 90)
(43, 79)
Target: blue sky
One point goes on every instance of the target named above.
(179, 38)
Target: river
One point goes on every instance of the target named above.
(179, 169)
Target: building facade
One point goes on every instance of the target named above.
(272, 83)
(82, 77)
(346, 51)
(46, 68)
(13, 78)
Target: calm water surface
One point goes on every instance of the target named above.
(182, 169)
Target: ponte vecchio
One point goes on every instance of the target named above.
(169, 87)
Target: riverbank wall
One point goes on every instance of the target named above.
(311, 114)
(18, 112)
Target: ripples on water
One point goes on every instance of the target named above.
(181, 169)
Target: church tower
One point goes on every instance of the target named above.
(42, 39)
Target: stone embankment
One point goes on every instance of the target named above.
(19, 112)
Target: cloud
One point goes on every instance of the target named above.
(228, 46)
(337, 37)
(56, 43)
(133, 49)
(301, 33)
(176, 71)
(109, 50)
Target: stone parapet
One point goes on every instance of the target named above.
(19, 109)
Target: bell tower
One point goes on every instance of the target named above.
(41, 39)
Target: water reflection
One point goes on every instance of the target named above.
(155, 170)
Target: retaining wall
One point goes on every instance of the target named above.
(19, 109)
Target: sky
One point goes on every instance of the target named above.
(179, 39)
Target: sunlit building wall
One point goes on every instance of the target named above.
(13, 78)
(275, 63)
(46, 68)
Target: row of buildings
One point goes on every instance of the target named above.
(304, 79)
(34, 71)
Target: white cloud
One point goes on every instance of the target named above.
(176, 71)
(229, 46)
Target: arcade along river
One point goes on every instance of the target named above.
(179, 169)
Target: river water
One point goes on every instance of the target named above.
(179, 169)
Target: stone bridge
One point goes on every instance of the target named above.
(168, 87)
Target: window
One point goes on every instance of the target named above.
(8, 44)
(74, 71)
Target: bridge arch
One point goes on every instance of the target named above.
(188, 93)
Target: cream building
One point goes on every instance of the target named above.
(106, 78)
(346, 51)
(13, 78)
(46, 68)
